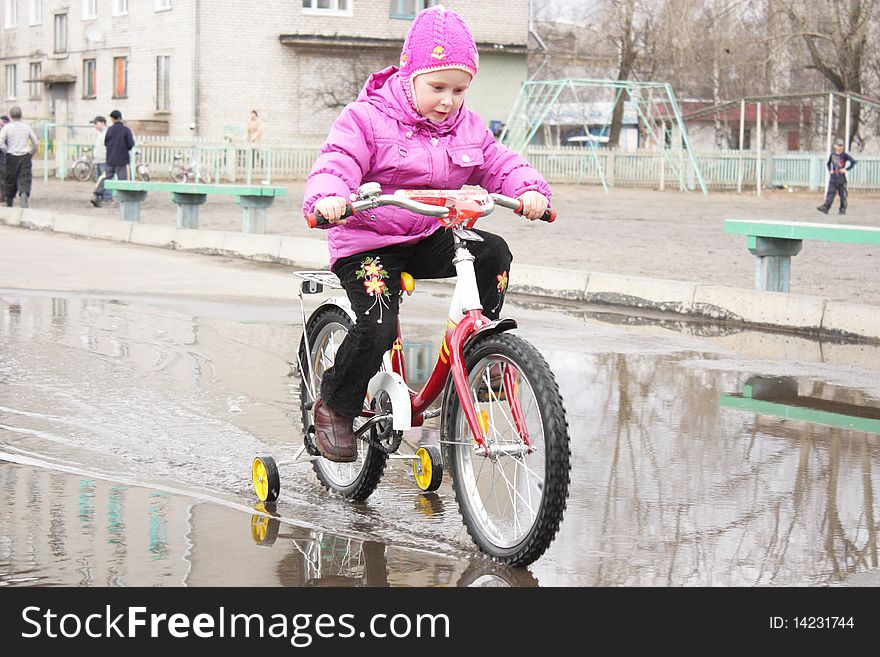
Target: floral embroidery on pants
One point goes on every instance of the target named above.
(502, 286)
(374, 275)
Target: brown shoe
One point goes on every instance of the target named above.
(334, 436)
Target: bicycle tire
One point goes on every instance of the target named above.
(143, 173)
(178, 173)
(82, 170)
(355, 481)
(520, 534)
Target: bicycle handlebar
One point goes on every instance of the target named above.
(317, 220)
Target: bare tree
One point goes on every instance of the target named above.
(835, 33)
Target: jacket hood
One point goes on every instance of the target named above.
(384, 90)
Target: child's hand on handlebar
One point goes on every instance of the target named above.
(332, 208)
(534, 204)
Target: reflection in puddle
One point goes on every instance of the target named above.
(316, 558)
(781, 397)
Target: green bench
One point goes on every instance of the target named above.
(773, 243)
(255, 200)
(778, 397)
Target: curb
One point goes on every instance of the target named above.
(772, 310)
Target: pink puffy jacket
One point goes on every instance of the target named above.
(380, 138)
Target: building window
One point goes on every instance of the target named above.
(90, 78)
(36, 12)
(11, 13)
(120, 7)
(90, 9)
(328, 6)
(163, 83)
(163, 5)
(409, 8)
(36, 80)
(11, 82)
(60, 33)
(120, 77)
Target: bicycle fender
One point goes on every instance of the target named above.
(343, 303)
(398, 391)
(495, 326)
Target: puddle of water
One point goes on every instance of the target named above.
(669, 486)
(57, 528)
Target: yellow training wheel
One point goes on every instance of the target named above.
(428, 468)
(264, 474)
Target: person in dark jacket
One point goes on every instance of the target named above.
(119, 141)
(838, 164)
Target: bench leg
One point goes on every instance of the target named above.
(130, 204)
(773, 273)
(255, 212)
(773, 268)
(188, 208)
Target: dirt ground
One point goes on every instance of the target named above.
(670, 234)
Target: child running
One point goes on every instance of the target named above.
(408, 129)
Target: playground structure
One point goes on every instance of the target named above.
(542, 102)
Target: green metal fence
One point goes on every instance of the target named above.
(722, 170)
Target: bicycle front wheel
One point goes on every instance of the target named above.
(512, 499)
(178, 173)
(82, 171)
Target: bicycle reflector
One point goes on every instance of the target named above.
(463, 212)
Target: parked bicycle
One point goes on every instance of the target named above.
(141, 170)
(190, 171)
(503, 424)
(84, 168)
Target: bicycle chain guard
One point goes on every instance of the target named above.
(382, 435)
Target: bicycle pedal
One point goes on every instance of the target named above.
(309, 442)
(497, 395)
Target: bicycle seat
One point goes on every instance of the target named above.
(407, 283)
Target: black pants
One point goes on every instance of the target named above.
(110, 172)
(18, 176)
(372, 283)
(836, 185)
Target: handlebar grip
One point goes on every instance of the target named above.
(317, 220)
(549, 214)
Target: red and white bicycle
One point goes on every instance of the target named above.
(503, 424)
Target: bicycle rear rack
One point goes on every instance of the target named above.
(314, 282)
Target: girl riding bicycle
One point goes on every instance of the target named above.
(407, 129)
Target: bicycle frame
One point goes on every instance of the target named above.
(465, 319)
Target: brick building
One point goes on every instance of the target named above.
(167, 64)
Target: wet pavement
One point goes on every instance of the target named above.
(137, 384)
(127, 426)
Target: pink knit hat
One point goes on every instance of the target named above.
(438, 39)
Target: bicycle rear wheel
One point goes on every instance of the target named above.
(356, 481)
(82, 171)
(178, 173)
(512, 500)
